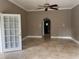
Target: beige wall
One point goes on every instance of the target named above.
(32, 21)
(7, 7)
(75, 22)
(60, 22)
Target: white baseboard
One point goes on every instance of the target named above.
(61, 37)
(34, 36)
(76, 41)
(26, 37)
(55, 37)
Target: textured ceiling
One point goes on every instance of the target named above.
(32, 5)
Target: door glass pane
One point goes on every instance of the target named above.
(17, 41)
(12, 41)
(11, 29)
(7, 32)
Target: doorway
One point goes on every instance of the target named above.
(46, 28)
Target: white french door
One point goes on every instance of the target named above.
(11, 32)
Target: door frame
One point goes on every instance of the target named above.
(43, 26)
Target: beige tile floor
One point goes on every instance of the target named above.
(49, 49)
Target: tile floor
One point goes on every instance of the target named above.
(41, 49)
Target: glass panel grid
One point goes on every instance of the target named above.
(11, 27)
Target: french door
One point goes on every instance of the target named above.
(11, 29)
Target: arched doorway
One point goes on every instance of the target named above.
(46, 28)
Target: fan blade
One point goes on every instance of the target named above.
(55, 5)
(54, 8)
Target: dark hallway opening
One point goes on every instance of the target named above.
(47, 26)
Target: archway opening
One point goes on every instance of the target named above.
(46, 28)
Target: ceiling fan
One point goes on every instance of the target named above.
(47, 6)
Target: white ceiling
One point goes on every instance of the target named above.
(32, 5)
